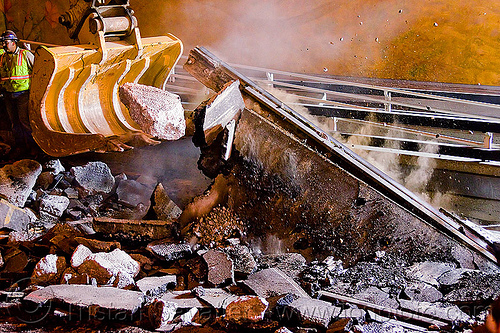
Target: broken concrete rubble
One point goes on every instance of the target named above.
(12, 217)
(273, 282)
(17, 180)
(155, 286)
(220, 267)
(217, 112)
(96, 245)
(312, 311)
(53, 206)
(115, 267)
(429, 272)
(169, 251)
(164, 207)
(161, 313)
(406, 283)
(422, 292)
(219, 225)
(376, 296)
(55, 167)
(94, 177)
(48, 270)
(243, 260)
(246, 309)
(217, 298)
(107, 298)
(291, 263)
(157, 112)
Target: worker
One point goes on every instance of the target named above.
(16, 65)
(492, 323)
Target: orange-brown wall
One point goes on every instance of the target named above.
(443, 40)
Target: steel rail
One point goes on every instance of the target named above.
(350, 161)
(365, 98)
(406, 315)
(418, 132)
(374, 87)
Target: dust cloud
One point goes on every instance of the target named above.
(395, 39)
(415, 178)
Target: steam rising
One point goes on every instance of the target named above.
(414, 178)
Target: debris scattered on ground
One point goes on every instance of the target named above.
(64, 256)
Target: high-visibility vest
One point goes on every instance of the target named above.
(16, 73)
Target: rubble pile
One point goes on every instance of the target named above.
(83, 246)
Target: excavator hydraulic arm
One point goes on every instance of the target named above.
(74, 102)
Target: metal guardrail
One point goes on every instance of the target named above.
(334, 150)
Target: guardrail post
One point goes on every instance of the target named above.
(387, 96)
(270, 78)
(488, 140)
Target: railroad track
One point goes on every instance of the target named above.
(459, 122)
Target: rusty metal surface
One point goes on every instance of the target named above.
(214, 73)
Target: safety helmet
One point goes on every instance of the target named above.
(8, 34)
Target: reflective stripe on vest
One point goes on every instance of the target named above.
(17, 77)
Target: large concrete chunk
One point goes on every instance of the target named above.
(169, 251)
(48, 270)
(108, 298)
(94, 177)
(13, 217)
(54, 166)
(243, 261)
(164, 207)
(80, 254)
(157, 285)
(161, 313)
(246, 309)
(17, 180)
(115, 267)
(132, 193)
(314, 311)
(429, 272)
(376, 296)
(289, 263)
(217, 298)
(157, 112)
(422, 292)
(220, 267)
(53, 205)
(273, 282)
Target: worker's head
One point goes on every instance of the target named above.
(493, 319)
(9, 40)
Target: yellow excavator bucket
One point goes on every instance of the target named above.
(74, 101)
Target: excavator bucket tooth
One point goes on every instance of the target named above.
(74, 102)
